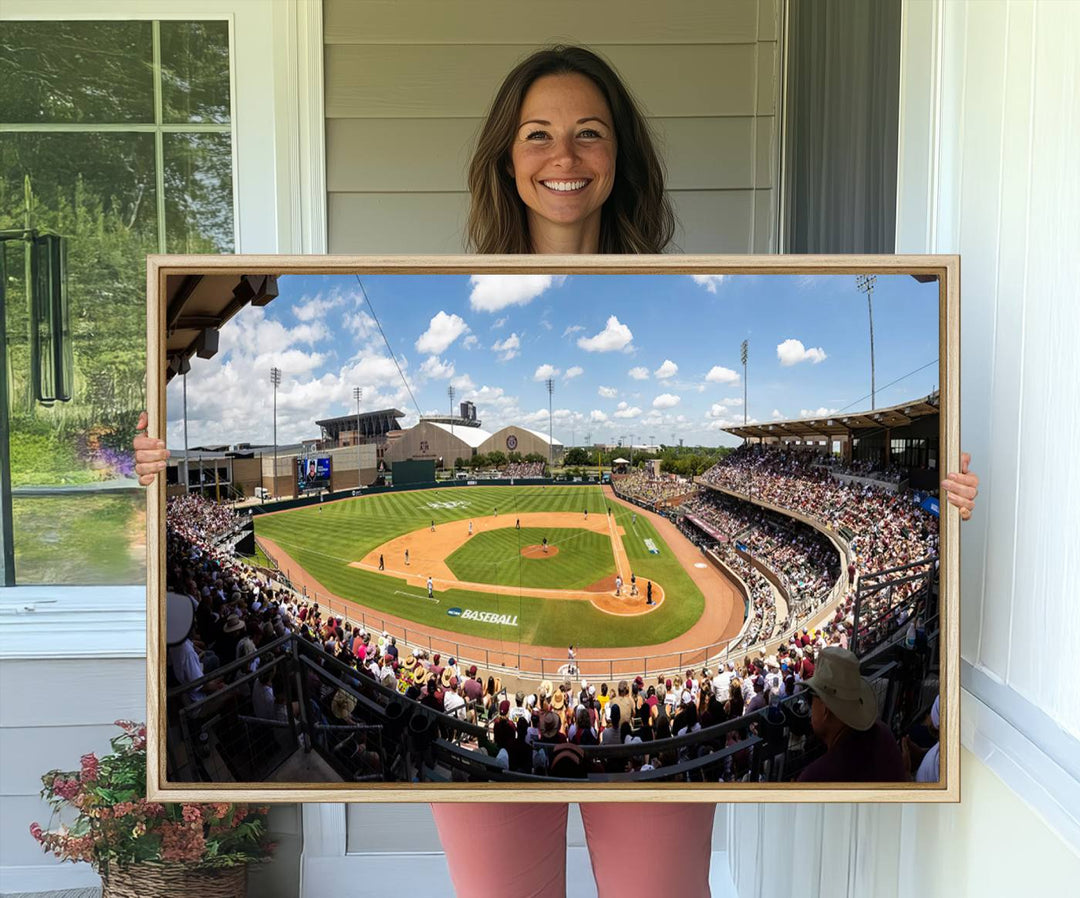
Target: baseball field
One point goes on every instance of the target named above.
(483, 549)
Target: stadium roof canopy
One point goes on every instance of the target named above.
(470, 436)
(348, 422)
(842, 424)
(540, 436)
(197, 305)
(371, 424)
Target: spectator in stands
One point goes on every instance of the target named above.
(844, 715)
(453, 703)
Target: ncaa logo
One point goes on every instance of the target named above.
(454, 612)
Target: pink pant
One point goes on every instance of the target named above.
(497, 850)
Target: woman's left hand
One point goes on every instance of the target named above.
(961, 489)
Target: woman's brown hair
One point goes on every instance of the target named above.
(637, 216)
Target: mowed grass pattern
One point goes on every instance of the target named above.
(324, 538)
(582, 558)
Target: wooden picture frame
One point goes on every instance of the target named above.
(171, 280)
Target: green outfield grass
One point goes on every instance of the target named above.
(325, 538)
(582, 558)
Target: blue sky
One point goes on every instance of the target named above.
(655, 357)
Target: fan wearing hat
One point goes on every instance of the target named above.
(859, 748)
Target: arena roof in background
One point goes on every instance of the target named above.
(470, 436)
(842, 424)
(541, 436)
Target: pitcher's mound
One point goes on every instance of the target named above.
(538, 552)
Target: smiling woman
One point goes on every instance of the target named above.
(565, 164)
(563, 161)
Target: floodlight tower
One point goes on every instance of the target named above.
(357, 394)
(864, 283)
(745, 354)
(450, 393)
(550, 384)
(275, 379)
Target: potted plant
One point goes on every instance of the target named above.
(142, 848)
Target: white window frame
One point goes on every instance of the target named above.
(279, 201)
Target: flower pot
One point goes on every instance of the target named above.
(173, 881)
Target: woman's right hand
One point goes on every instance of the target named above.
(150, 454)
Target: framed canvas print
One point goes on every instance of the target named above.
(553, 528)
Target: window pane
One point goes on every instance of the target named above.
(76, 72)
(198, 193)
(97, 190)
(81, 539)
(195, 71)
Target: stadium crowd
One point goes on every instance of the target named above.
(239, 609)
(884, 529)
(639, 486)
(524, 469)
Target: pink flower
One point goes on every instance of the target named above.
(89, 768)
(36, 832)
(150, 808)
(192, 813)
(65, 788)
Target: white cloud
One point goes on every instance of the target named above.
(614, 336)
(442, 331)
(666, 370)
(717, 411)
(312, 383)
(820, 413)
(639, 373)
(543, 372)
(360, 324)
(718, 374)
(597, 416)
(665, 400)
(507, 348)
(470, 341)
(316, 307)
(572, 329)
(709, 281)
(625, 410)
(463, 383)
(733, 400)
(492, 292)
(791, 352)
(608, 392)
(537, 417)
(435, 368)
(776, 414)
(499, 322)
(575, 371)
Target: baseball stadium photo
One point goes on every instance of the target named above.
(449, 529)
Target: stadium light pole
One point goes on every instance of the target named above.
(185, 367)
(358, 394)
(864, 283)
(745, 354)
(450, 393)
(550, 384)
(275, 379)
